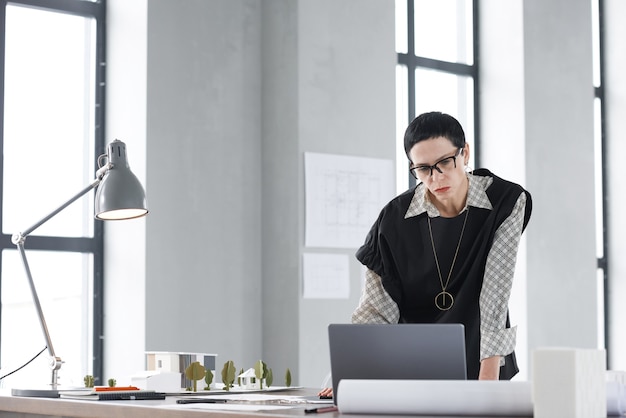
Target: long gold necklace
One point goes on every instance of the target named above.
(441, 299)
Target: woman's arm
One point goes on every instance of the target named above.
(490, 369)
(497, 341)
(375, 305)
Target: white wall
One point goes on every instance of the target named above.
(125, 243)
(503, 129)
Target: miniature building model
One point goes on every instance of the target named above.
(166, 361)
(248, 380)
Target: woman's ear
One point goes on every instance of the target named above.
(466, 154)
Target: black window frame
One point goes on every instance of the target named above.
(413, 62)
(603, 262)
(95, 244)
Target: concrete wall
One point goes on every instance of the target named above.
(203, 250)
(281, 200)
(558, 99)
(347, 106)
(537, 98)
(235, 93)
(218, 101)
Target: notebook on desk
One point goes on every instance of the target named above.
(396, 351)
(112, 395)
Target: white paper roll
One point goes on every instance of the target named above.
(615, 399)
(435, 397)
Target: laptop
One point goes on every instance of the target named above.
(396, 351)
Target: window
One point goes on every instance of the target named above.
(601, 186)
(437, 49)
(52, 132)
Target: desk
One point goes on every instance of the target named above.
(17, 407)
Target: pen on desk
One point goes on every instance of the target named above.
(321, 410)
(201, 401)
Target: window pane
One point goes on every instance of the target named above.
(401, 27)
(600, 314)
(599, 192)
(48, 120)
(64, 282)
(448, 93)
(402, 121)
(595, 33)
(443, 30)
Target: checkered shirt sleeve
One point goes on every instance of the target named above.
(495, 338)
(375, 306)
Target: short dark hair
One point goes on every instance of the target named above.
(433, 125)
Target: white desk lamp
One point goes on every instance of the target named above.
(119, 196)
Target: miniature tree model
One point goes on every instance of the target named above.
(208, 378)
(260, 371)
(288, 378)
(89, 381)
(269, 378)
(195, 371)
(228, 374)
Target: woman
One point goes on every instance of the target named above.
(445, 250)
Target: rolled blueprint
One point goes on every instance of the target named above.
(615, 399)
(435, 397)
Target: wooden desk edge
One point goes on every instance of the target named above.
(15, 406)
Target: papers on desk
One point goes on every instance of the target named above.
(230, 407)
(246, 402)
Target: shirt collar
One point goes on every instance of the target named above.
(476, 197)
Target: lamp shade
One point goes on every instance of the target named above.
(120, 195)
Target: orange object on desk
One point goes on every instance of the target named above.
(115, 388)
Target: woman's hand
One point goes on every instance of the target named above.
(326, 392)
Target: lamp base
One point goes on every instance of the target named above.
(36, 393)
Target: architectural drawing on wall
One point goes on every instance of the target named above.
(325, 276)
(344, 195)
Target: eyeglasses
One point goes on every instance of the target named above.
(422, 172)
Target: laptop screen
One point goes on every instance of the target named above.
(396, 351)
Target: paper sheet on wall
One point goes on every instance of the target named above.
(325, 276)
(344, 195)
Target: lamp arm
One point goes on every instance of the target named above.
(22, 235)
(55, 362)
(19, 238)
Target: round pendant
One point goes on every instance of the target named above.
(444, 300)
